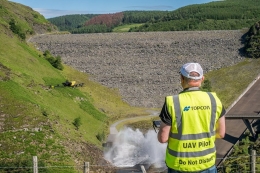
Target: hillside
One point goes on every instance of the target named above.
(25, 20)
(37, 120)
(70, 22)
(216, 15)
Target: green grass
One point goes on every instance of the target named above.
(231, 82)
(125, 28)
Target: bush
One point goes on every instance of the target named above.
(57, 63)
(206, 86)
(77, 123)
(100, 136)
(54, 61)
(45, 113)
(16, 29)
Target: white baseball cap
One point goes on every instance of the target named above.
(187, 68)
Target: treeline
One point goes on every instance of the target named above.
(78, 24)
(217, 15)
(142, 16)
(71, 22)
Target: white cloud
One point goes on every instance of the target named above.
(158, 7)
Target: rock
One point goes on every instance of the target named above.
(143, 66)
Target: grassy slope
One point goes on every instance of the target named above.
(230, 82)
(125, 28)
(27, 103)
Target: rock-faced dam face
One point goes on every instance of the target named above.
(143, 66)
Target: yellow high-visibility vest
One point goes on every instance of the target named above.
(191, 143)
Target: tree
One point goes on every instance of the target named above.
(253, 41)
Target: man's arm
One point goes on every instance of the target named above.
(163, 133)
(221, 128)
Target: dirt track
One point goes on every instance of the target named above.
(144, 66)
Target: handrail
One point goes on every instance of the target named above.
(242, 116)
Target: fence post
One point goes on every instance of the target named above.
(252, 161)
(35, 164)
(86, 167)
(143, 169)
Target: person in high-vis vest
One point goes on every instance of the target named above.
(190, 123)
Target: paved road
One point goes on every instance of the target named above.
(247, 104)
(113, 129)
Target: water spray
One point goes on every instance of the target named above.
(132, 147)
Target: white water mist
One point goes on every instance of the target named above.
(132, 147)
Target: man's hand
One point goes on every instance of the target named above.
(163, 133)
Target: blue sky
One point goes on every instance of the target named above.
(54, 8)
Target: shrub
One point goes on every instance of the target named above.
(100, 136)
(45, 113)
(16, 29)
(77, 123)
(54, 61)
(206, 86)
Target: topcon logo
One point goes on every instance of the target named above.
(196, 108)
(187, 108)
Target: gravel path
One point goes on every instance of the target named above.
(143, 66)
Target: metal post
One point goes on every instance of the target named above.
(250, 128)
(86, 167)
(143, 169)
(252, 161)
(35, 164)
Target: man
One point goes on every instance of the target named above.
(190, 123)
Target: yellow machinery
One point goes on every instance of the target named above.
(72, 84)
(69, 84)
